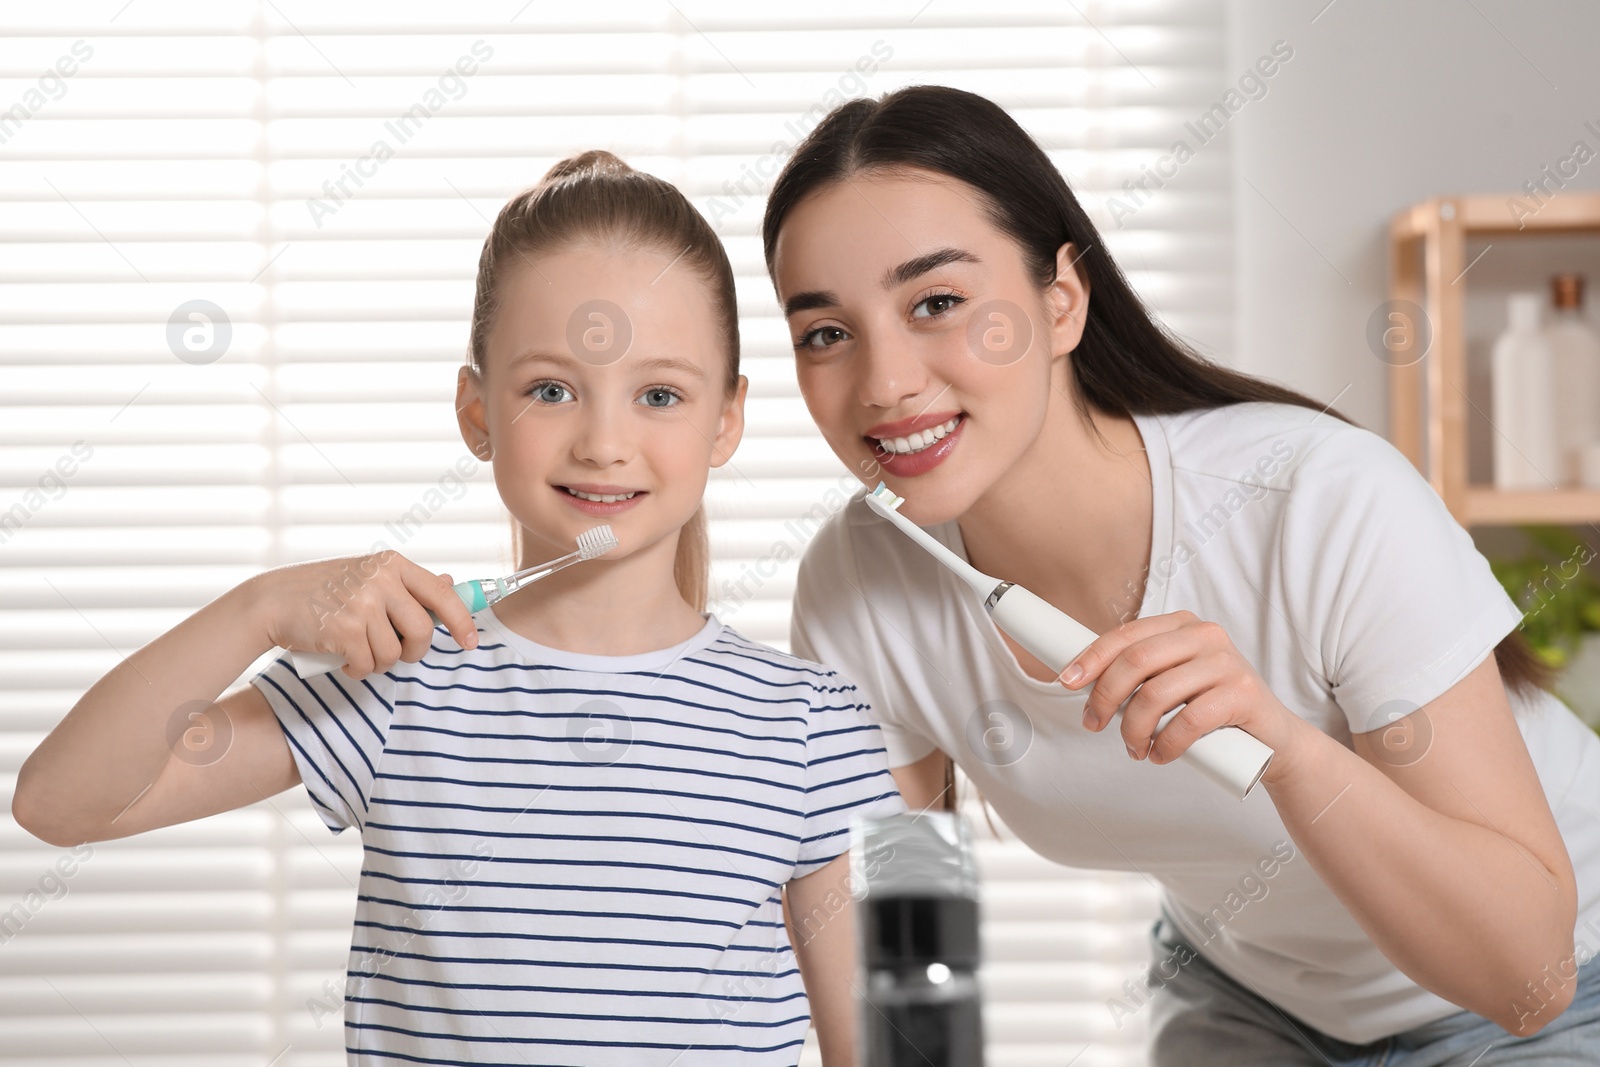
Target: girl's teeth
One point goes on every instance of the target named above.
(601, 499)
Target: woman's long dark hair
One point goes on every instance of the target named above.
(1127, 363)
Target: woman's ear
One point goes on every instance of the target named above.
(730, 428)
(1067, 301)
(470, 414)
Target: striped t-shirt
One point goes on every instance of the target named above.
(578, 859)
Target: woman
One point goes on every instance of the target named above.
(1398, 889)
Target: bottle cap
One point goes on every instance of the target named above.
(913, 854)
(1566, 291)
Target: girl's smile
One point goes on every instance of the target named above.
(602, 500)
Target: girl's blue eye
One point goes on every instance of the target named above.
(949, 301)
(543, 390)
(672, 396)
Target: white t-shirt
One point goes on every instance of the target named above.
(577, 859)
(1341, 577)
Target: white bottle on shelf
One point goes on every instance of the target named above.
(1527, 453)
(1576, 348)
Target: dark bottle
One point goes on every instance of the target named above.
(918, 924)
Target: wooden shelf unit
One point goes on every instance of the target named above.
(1433, 435)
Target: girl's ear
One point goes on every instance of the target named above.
(730, 428)
(470, 414)
(1067, 301)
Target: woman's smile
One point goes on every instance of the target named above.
(916, 445)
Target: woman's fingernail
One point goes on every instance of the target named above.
(1131, 753)
(1088, 720)
(1072, 673)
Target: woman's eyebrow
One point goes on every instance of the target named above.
(914, 268)
(897, 275)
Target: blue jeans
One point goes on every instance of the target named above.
(1203, 1018)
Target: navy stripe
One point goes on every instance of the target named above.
(790, 663)
(314, 763)
(578, 965)
(655, 917)
(554, 668)
(677, 724)
(355, 783)
(440, 1061)
(584, 838)
(338, 720)
(555, 788)
(366, 683)
(568, 738)
(586, 1017)
(675, 818)
(541, 861)
(855, 803)
(591, 691)
(848, 778)
(664, 768)
(501, 1039)
(576, 990)
(370, 872)
(698, 946)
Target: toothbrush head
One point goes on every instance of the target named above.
(596, 542)
(882, 500)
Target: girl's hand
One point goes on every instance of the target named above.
(371, 609)
(1166, 660)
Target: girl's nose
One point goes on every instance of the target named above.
(602, 439)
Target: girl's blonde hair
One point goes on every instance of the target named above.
(594, 197)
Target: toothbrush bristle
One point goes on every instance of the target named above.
(596, 542)
(886, 495)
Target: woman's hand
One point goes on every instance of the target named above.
(372, 609)
(1166, 660)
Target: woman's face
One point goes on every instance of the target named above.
(925, 353)
(606, 377)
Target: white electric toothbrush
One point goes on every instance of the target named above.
(478, 594)
(1228, 756)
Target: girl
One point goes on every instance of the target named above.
(1398, 890)
(579, 827)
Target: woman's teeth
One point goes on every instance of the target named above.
(916, 442)
(602, 499)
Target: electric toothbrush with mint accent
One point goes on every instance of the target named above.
(1228, 756)
(478, 594)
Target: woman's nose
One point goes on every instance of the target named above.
(891, 373)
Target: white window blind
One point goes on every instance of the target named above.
(237, 245)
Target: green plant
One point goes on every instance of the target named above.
(1559, 596)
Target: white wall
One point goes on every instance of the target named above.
(1382, 105)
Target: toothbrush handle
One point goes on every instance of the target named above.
(1228, 756)
(307, 664)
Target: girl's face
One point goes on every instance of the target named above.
(605, 377)
(924, 351)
